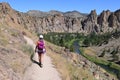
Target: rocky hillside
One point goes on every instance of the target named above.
(76, 67)
(110, 51)
(14, 25)
(14, 57)
(14, 53)
(55, 21)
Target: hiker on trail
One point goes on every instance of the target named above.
(40, 49)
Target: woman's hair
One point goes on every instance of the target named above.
(40, 38)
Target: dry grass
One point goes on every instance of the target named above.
(11, 57)
(16, 66)
(66, 68)
(89, 51)
(58, 61)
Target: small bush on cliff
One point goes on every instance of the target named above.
(27, 49)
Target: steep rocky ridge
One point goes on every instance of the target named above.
(110, 51)
(13, 23)
(13, 59)
(55, 21)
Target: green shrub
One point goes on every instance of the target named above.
(27, 49)
(118, 74)
(109, 66)
(14, 34)
(63, 39)
(102, 54)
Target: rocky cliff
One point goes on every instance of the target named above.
(14, 57)
(56, 21)
(13, 24)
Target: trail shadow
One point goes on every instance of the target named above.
(34, 61)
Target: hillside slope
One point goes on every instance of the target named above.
(74, 66)
(110, 51)
(13, 57)
(15, 53)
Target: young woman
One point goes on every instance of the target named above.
(40, 49)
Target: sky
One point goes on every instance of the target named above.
(83, 6)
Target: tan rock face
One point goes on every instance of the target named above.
(54, 21)
(103, 18)
(11, 38)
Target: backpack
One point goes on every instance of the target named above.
(40, 44)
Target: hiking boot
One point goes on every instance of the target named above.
(41, 65)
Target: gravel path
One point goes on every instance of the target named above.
(34, 72)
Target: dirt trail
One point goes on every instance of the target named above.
(34, 72)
